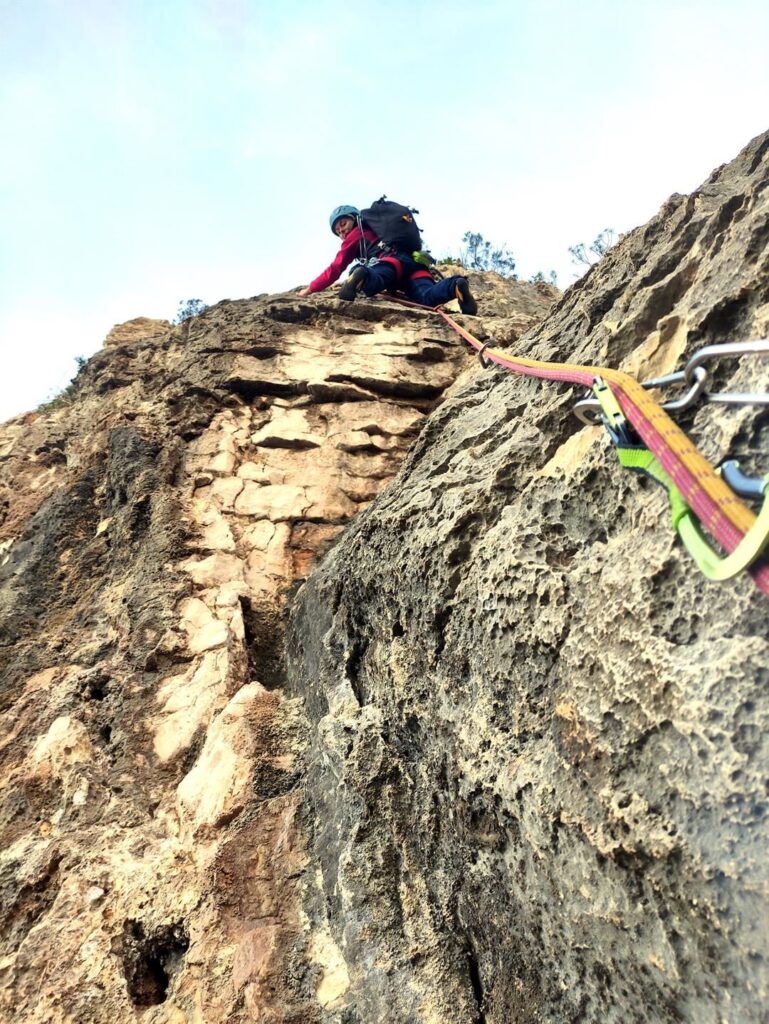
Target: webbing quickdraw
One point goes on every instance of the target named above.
(636, 457)
(708, 497)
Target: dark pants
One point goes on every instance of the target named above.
(383, 277)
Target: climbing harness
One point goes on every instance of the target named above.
(370, 253)
(650, 442)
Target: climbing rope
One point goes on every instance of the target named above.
(699, 494)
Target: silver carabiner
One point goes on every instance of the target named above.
(663, 382)
(695, 374)
(730, 349)
(737, 397)
(697, 387)
(485, 363)
(588, 410)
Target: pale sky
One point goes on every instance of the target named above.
(155, 152)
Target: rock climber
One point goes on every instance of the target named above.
(390, 271)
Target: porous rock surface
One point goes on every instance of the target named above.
(155, 862)
(539, 764)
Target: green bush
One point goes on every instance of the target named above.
(479, 254)
(589, 254)
(188, 308)
(545, 278)
(67, 396)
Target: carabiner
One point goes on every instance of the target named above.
(751, 487)
(485, 363)
(730, 349)
(588, 410)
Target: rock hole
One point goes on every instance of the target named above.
(95, 688)
(475, 980)
(150, 961)
(441, 621)
(265, 643)
(353, 666)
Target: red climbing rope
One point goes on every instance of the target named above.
(716, 506)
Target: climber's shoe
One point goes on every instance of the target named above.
(465, 297)
(353, 284)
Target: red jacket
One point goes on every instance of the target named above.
(349, 251)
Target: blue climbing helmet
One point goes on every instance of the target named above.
(342, 211)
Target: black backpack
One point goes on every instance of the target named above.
(393, 224)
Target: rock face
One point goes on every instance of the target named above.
(506, 763)
(155, 854)
(538, 765)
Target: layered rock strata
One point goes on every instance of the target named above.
(155, 858)
(539, 760)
